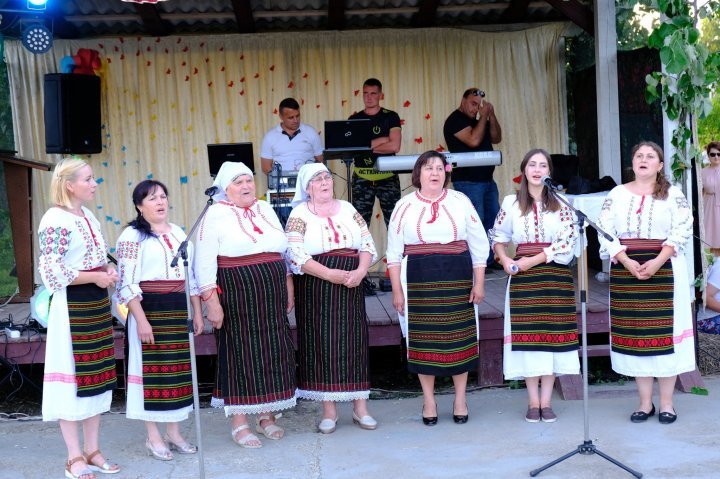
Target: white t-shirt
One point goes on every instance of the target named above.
(293, 152)
(714, 278)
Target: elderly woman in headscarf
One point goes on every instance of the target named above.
(244, 282)
(330, 250)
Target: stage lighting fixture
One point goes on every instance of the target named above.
(37, 4)
(37, 38)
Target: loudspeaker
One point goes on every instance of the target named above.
(72, 113)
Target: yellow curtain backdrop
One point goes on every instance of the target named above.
(165, 99)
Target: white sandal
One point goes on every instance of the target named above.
(273, 431)
(245, 440)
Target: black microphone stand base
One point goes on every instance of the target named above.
(586, 448)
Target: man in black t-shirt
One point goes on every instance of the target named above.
(386, 139)
(474, 127)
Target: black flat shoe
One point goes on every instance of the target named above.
(667, 417)
(642, 416)
(429, 421)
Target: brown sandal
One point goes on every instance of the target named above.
(85, 472)
(105, 468)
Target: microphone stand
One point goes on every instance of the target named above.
(587, 447)
(182, 252)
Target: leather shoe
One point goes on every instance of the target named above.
(429, 421)
(642, 416)
(327, 425)
(460, 418)
(667, 417)
(365, 422)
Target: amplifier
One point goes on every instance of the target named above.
(284, 198)
(285, 180)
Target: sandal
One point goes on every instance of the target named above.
(183, 447)
(272, 431)
(85, 472)
(245, 440)
(105, 468)
(163, 454)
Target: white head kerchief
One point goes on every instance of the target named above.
(227, 174)
(307, 171)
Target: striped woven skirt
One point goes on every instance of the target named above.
(442, 330)
(542, 306)
(166, 372)
(332, 334)
(641, 312)
(92, 340)
(256, 358)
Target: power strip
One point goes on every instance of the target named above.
(12, 333)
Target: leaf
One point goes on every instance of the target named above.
(699, 391)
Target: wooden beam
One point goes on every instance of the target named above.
(336, 14)
(154, 24)
(576, 12)
(244, 16)
(516, 12)
(426, 14)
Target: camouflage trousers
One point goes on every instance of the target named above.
(364, 193)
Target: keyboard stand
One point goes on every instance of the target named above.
(347, 157)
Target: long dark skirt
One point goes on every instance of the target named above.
(442, 332)
(256, 358)
(332, 335)
(92, 339)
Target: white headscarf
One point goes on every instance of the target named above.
(307, 171)
(227, 174)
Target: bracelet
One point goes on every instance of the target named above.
(208, 296)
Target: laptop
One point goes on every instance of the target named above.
(222, 152)
(347, 136)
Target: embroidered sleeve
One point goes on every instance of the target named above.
(207, 250)
(54, 242)
(606, 222)
(296, 255)
(562, 247)
(128, 257)
(502, 229)
(681, 222)
(367, 244)
(395, 236)
(476, 237)
(192, 280)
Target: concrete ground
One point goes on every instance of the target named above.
(495, 443)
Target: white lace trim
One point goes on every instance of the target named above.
(176, 415)
(253, 408)
(332, 396)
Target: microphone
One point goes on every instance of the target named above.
(212, 191)
(514, 268)
(550, 183)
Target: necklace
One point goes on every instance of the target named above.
(312, 206)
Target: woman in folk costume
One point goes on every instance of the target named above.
(80, 353)
(159, 385)
(651, 330)
(330, 250)
(437, 253)
(244, 281)
(541, 337)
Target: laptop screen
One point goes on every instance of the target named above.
(238, 152)
(347, 134)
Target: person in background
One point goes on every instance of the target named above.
(80, 351)
(711, 197)
(154, 292)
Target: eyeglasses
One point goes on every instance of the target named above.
(714, 154)
(475, 92)
(320, 179)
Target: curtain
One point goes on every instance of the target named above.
(165, 99)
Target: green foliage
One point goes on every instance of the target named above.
(699, 391)
(691, 73)
(6, 131)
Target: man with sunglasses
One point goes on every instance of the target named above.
(474, 127)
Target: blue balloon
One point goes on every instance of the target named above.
(67, 64)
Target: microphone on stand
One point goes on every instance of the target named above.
(550, 183)
(212, 191)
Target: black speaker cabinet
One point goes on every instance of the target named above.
(72, 113)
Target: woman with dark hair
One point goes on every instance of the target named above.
(651, 331)
(711, 197)
(437, 253)
(159, 382)
(330, 250)
(80, 354)
(541, 337)
(248, 292)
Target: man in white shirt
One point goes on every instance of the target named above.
(291, 144)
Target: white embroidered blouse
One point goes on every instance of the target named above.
(229, 230)
(150, 259)
(309, 234)
(68, 244)
(537, 226)
(451, 217)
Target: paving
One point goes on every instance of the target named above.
(495, 443)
